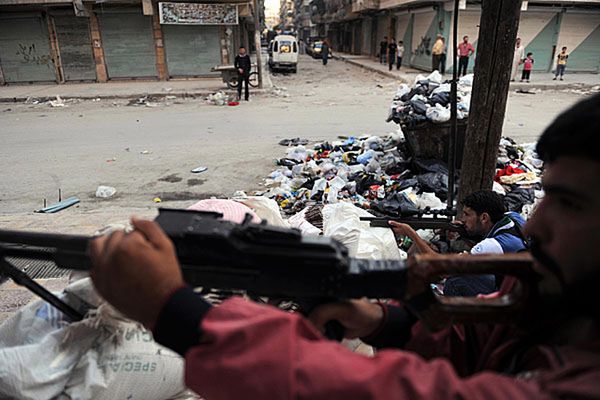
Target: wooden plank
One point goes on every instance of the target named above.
(147, 7)
(98, 50)
(497, 35)
(54, 50)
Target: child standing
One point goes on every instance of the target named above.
(561, 63)
(527, 67)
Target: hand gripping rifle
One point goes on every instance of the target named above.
(281, 263)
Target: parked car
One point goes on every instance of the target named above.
(283, 53)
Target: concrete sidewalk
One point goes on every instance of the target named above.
(539, 80)
(125, 89)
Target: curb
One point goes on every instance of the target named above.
(22, 99)
(371, 69)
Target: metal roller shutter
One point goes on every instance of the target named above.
(128, 44)
(192, 50)
(423, 37)
(25, 48)
(75, 47)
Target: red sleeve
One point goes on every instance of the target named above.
(256, 352)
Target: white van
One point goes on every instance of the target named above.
(283, 53)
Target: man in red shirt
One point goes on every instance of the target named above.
(465, 49)
(244, 350)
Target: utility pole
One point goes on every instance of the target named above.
(495, 49)
(257, 43)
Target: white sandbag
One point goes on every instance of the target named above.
(104, 356)
(299, 222)
(342, 222)
(266, 209)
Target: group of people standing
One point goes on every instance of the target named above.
(527, 61)
(391, 52)
(439, 51)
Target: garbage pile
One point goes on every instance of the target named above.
(377, 174)
(371, 172)
(429, 100)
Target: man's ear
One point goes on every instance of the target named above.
(485, 218)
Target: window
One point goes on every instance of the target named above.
(285, 46)
(295, 47)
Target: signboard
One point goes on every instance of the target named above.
(198, 14)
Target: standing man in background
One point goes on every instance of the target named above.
(383, 50)
(518, 58)
(392, 49)
(243, 65)
(465, 50)
(436, 53)
(325, 51)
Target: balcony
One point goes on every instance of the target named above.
(364, 5)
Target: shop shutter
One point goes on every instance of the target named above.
(192, 50)
(25, 48)
(128, 44)
(75, 47)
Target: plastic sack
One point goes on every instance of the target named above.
(466, 80)
(402, 90)
(435, 76)
(426, 199)
(438, 114)
(104, 356)
(105, 192)
(299, 222)
(342, 222)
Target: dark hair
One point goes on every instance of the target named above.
(575, 132)
(242, 47)
(564, 47)
(465, 37)
(486, 201)
(529, 54)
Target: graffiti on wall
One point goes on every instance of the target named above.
(198, 14)
(424, 48)
(29, 55)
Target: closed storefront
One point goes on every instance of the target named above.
(75, 46)
(425, 29)
(25, 48)
(468, 26)
(191, 50)
(128, 44)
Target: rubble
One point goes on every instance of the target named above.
(218, 99)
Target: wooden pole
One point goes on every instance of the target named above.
(257, 44)
(496, 45)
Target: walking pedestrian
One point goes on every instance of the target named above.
(518, 58)
(561, 63)
(325, 51)
(392, 50)
(527, 67)
(465, 50)
(400, 54)
(436, 53)
(243, 65)
(383, 50)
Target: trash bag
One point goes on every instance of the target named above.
(430, 165)
(435, 76)
(438, 114)
(396, 204)
(436, 182)
(518, 197)
(419, 106)
(442, 98)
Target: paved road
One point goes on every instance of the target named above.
(88, 143)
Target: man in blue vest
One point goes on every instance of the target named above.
(484, 216)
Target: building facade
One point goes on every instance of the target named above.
(69, 40)
(357, 26)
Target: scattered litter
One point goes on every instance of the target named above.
(199, 169)
(218, 98)
(157, 200)
(57, 103)
(525, 91)
(279, 92)
(105, 192)
(293, 142)
(61, 205)
(127, 149)
(148, 101)
(233, 103)
(111, 159)
(167, 89)
(145, 152)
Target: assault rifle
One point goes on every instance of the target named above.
(281, 263)
(422, 219)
